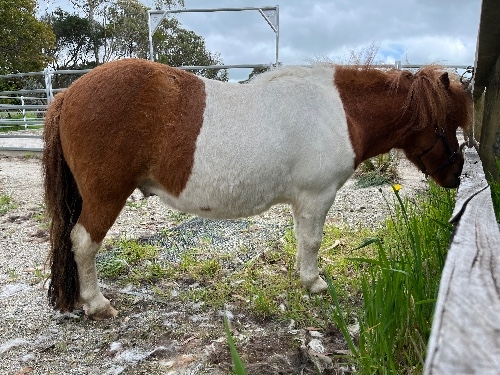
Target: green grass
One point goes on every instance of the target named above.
(387, 285)
(6, 204)
(379, 170)
(131, 261)
(399, 286)
(239, 367)
(18, 127)
(268, 286)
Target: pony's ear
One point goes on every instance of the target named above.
(445, 80)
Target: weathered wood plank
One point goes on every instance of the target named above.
(489, 148)
(472, 182)
(465, 336)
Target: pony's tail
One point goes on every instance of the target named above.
(63, 204)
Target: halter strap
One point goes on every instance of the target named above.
(452, 154)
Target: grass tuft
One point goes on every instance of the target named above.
(379, 170)
(400, 285)
(131, 261)
(6, 204)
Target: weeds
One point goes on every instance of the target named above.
(6, 204)
(400, 285)
(131, 260)
(379, 170)
(239, 367)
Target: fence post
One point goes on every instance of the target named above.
(24, 113)
(47, 73)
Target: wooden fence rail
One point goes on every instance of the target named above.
(465, 337)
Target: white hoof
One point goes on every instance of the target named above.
(99, 308)
(319, 285)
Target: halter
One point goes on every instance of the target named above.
(452, 154)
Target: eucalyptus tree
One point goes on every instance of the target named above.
(119, 28)
(24, 40)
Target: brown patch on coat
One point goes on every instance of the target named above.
(398, 109)
(125, 122)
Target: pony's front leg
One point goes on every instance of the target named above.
(94, 303)
(309, 231)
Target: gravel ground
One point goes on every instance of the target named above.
(152, 336)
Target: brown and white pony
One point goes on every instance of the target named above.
(227, 150)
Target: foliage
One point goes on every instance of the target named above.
(6, 204)
(133, 258)
(379, 170)
(75, 40)
(267, 286)
(24, 40)
(255, 72)
(110, 30)
(400, 286)
(127, 31)
(239, 367)
(179, 46)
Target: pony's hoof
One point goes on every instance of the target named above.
(110, 312)
(318, 286)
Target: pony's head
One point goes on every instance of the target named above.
(435, 108)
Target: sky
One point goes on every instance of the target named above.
(410, 31)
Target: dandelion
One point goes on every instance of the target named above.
(396, 187)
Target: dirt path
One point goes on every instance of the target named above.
(151, 335)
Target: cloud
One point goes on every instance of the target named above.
(415, 31)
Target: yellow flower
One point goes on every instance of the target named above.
(396, 187)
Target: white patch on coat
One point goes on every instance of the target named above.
(85, 251)
(275, 140)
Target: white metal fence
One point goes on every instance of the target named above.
(22, 112)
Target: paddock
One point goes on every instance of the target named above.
(50, 341)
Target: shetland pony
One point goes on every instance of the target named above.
(227, 150)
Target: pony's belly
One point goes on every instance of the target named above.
(217, 206)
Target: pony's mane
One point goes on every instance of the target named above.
(427, 101)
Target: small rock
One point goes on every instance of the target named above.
(115, 346)
(28, 357)
(316, 345)
(316, 334)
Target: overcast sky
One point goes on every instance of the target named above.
(412, 31)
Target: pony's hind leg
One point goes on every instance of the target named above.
(97, 216)
(91, 298)
(308, 223)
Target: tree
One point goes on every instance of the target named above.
(123, 32)
(127, 34)
(24, 40)
(74, 40)
(127, 30)
(95, 10)
(176, 46)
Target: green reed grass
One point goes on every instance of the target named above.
(239, 367)
(400, 285)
